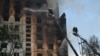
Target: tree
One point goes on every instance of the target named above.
(3, 36)
(10, 35)
(93, 42)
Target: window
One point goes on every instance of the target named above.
(28, 39)
(5, 18)
(28, 54)
(28, 19)
(16, 54)
(28, 44)
(28, 30)
(39, 28)
(28, 35)
(50, 46)
(17, 9)
(3, 45)
(6, 6)
(28, 26)
(39, 44)
(39, 32)
(39, 54)
(28, 49)
(39, 20)
(17, 6)
(17, 18)
(28, 22)
(39, 36)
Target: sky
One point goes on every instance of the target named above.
(83, 14)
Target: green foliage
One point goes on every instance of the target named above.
(4, 33)
(8, 34)
(11, 34)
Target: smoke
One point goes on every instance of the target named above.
(52, 3)
(74, 5)
(63, 48)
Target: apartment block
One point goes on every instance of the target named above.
(38, 23)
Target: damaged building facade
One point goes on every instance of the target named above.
(38, 26)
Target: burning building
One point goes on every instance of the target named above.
(38, 25)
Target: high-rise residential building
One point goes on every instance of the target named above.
(39, 25)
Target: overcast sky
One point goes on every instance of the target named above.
(85, 14)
